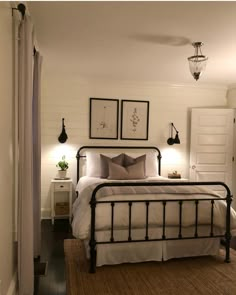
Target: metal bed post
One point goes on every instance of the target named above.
(227, 232)
(92, 242)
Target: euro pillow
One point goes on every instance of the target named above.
(135, 171)
(151, 166)
(93, 168)
(104, 160)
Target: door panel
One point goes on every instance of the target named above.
(210, 139)
(213, 120)
(211, 145)
(209, 158)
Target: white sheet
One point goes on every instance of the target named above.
(87, 180)
(154, 251)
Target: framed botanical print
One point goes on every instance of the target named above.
(103, 120)
(134, 119)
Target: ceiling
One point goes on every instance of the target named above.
(136, 41)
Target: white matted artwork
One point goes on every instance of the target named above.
(134, 119)
(103, 123)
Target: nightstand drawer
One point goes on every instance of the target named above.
(61, 186)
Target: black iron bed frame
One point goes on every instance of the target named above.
(93, 203)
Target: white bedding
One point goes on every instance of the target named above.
(85, 181)
(154, 251)
(82, 214)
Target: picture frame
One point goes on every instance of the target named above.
(104, 116)
(134, 119)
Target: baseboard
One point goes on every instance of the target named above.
(12, 290)
(45, 213)
(15, 236)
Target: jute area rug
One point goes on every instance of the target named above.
(185, 276)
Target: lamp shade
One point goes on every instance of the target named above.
(170, 141)
(62, 138)
(176, 140)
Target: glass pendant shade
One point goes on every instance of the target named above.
(197, 62)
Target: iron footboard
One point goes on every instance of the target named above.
(180, 201)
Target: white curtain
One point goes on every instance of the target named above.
(37, 153)
(29, 157)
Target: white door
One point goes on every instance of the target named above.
(211, 146)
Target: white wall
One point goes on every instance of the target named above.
(231, 102)
(67, 97)
(7, 257)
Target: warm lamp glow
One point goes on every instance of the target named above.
(170, 156)
(59, 150)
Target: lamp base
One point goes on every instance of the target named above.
(170, 141)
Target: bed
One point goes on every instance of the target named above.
(127, 212)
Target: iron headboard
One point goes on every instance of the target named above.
(79, 154)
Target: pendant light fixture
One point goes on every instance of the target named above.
(197, 62)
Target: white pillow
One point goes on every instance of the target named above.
(93, 164)
(151, 162)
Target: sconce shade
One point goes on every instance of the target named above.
(197, 62)
(176, 140)
(172, 140)
(63, 136)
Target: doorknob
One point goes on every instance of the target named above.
(193, 167)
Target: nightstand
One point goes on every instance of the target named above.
(62, 209)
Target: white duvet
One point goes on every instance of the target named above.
(82, 210)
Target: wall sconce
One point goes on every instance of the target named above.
(172, 140)
(63, 136)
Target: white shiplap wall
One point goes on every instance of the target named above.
(68, 97)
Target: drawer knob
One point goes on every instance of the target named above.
(61, 185)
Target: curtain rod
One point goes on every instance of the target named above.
(21, 8)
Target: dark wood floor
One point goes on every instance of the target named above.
(53, 283)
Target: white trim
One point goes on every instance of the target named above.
(148, 84)
(16, 22)
(12, 290)
(45, 213)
